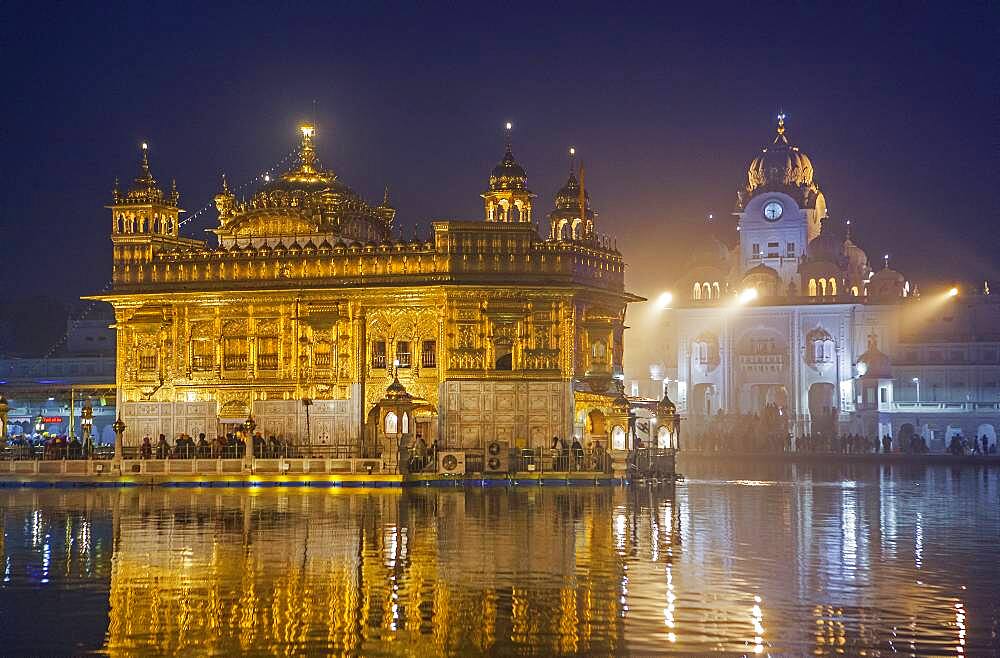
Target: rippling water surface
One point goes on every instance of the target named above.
(748, 558)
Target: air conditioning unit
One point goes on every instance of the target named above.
(451, 462)
(497, 458)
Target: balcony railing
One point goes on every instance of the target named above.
(202, 362)
(322, 360)
(147, 362)
(267, 361)
(234, 361)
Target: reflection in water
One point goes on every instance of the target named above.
(743, 558)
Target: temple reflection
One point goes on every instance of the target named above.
(418, 572)
(816, 565)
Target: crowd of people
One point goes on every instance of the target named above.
(230, 446)
(768, 432)
(48, 447)
(959, 445)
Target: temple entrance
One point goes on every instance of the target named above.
(703, 399)
(822, 400)
(990, 433)
(764, 395)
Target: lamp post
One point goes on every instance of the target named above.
(916, 380)
(87, 424)
(4, 409)
(248, 427)
(119, 429)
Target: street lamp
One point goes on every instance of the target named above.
(4, 408)
(87, 423)
(916, 380)
(119, 429)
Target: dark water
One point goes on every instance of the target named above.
(745, 558)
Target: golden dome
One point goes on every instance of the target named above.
(781, 167)
(303, 200)
(508, 174)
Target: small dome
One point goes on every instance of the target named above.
(666, 407)
(508, 175)
(887, 283)
(856, 256)
(568, 195)
(828, 245)
(765, 280)
(396, 390)
(874, 363)
(761, 270)
(887, 275)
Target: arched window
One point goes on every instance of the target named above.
(706, 291)
(828, 351)
(822, 287)
(715, 289)
(391, 421)
(854, 290)
(406, 423)
(812, 287)
(818, 351)
(696, 291)
(833, 286)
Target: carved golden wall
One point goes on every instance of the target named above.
(222, 353)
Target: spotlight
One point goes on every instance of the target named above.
(953, 292)
(664, 300)
(748, 295)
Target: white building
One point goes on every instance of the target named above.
(819, 330)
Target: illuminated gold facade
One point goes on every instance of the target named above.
(308, 306)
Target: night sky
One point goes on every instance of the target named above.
(897, 109)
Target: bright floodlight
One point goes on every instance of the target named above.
(509, 125)
(748, 295)
(664, 301)
(953, 292)
(915, 380)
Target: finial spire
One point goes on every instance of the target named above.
(225, 185)
(572, 158)
(307, 153)
(781, 123)
(385, 197)
(144, 164)
(508, 128)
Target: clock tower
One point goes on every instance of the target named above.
(779, 209)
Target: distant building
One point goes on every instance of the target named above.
(42, 390)
(795, 317)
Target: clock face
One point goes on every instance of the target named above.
(772, 211)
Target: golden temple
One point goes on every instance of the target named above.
(309, 307)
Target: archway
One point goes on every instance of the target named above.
(990, 433)
(822, 399)
(596, 425)
(764, 395)
(906, 432)
(702, 399)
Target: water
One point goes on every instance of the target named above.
(744, 558)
